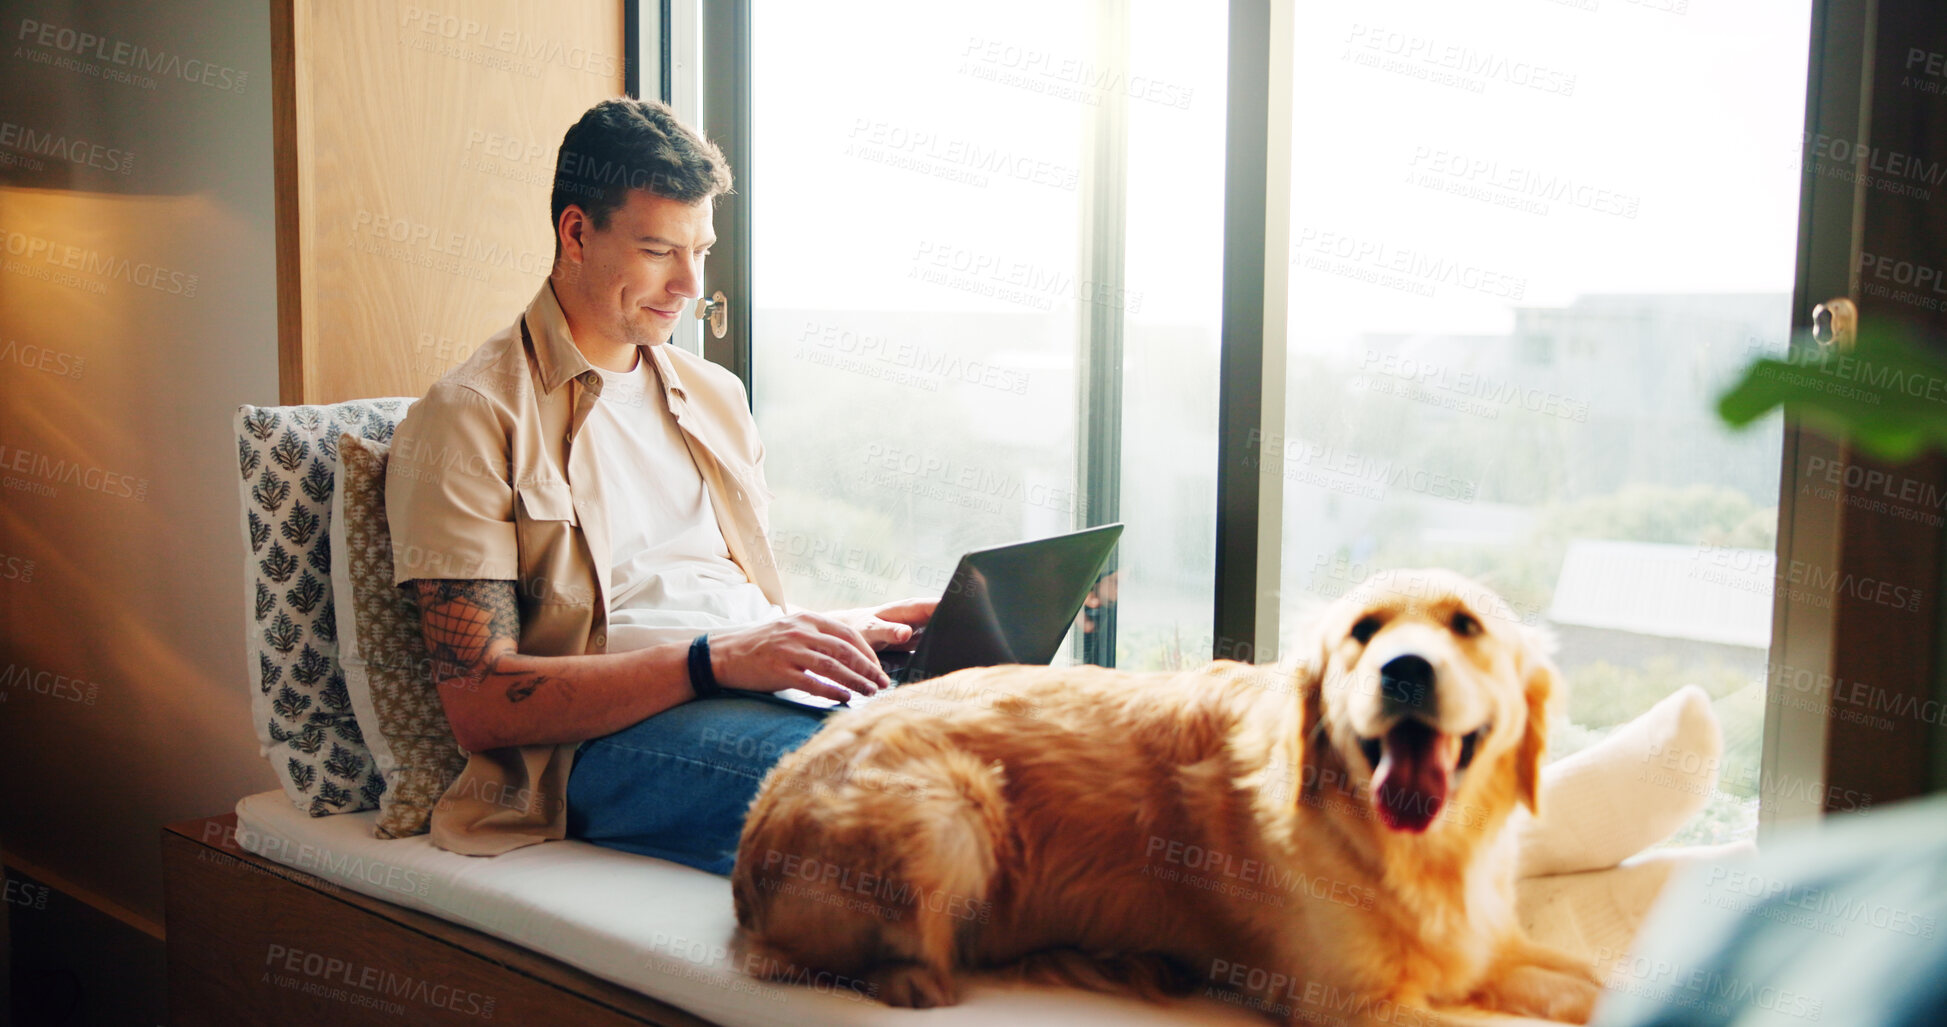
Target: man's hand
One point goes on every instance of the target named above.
(795, 651)
(892, 626)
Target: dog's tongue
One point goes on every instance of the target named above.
(1415, 769)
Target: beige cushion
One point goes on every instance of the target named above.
(384, 655)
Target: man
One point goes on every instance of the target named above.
(579, 510)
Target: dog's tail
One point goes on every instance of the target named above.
(1149, 975)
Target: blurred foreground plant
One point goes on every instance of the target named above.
(1886, 395)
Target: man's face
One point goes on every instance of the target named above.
(634, 277)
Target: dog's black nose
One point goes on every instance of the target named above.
(1406, 683)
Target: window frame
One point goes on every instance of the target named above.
(1802, 635)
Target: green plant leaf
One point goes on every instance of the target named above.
(1887, 396)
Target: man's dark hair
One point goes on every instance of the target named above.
(625, 143)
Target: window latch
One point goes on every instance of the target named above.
(715, 311)
(1835, 323)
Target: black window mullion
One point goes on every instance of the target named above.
(1240, 403)
(726, 121)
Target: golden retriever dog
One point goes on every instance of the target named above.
(1321, 841)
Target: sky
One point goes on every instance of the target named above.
(1658, 150)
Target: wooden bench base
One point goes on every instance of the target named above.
(252, 941)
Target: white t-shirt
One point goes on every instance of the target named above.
(671, 576)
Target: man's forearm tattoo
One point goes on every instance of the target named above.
(471, 628)
(524, 685)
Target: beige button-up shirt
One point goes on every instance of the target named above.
(486, 481)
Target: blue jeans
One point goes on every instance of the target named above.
(677, 785)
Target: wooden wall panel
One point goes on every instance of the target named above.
(416, 148)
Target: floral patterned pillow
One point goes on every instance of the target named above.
(288, 459)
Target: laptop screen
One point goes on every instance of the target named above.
(1013, 603)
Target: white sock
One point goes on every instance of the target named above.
(1627, 792)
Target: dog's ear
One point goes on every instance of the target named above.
(1307, 662)
(1311, 700)
(1539, 683)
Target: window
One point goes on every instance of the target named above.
(988, 265)
(1527, 260)
(986, 268)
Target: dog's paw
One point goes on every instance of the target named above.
(1542, 992)
(914, 985)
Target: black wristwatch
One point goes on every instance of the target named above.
(702, 679)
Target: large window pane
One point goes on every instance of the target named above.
(953, 206)
(1530, 243)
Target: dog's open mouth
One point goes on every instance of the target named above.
(1413, 770)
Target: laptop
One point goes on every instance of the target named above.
(1007, 604)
